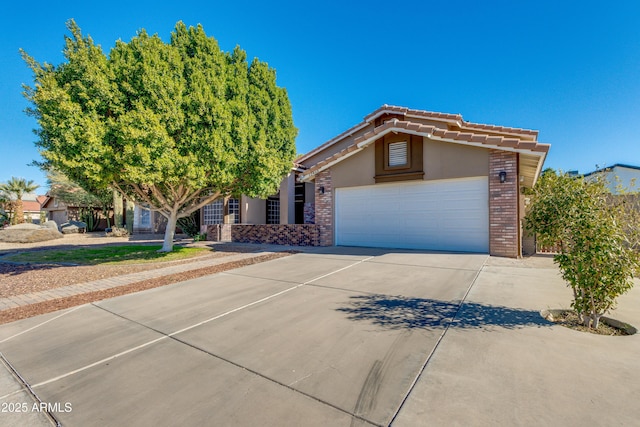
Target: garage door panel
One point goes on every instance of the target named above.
(441, 215)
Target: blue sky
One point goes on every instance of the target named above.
(569, 69)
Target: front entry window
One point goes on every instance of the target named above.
(273, 210)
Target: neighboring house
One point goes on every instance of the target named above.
(32, 205)
(618, 176)
(58, 211)
(401, 178)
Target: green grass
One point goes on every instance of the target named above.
(127, 254)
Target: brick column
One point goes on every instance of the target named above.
(324, 207)
(503, 205)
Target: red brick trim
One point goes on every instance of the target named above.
(277, 234)
(504, 228)
(324, 207)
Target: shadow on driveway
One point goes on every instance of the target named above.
(398, 312)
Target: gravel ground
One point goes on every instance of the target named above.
(17, 279)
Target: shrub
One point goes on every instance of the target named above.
(189, 225)
(117, 232)
(595, 233)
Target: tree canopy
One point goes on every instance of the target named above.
(172, 125)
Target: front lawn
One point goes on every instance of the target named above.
(126, 254)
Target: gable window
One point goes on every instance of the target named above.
(398, 154)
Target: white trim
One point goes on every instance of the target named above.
(361, 145)
(435, 119)
(346, 134)
(307, 177)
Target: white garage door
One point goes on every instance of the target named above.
(450, 215)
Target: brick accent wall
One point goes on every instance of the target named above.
(309, 213)
(504, 226)
(277, 234)
(324, 207)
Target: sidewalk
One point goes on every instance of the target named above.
(126, 279)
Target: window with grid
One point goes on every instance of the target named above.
(273, 210)
(397, 154)
(214, 213)
(145, 216)
(234, 211)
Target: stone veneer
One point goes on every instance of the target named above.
(277, 234)
(324, 207)
(503, 205)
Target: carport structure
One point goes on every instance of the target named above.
(322, 338)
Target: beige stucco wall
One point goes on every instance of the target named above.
(335, 148)
(253, 210)
(357, 170)
(287, 195)
(445, 160)
(442, 160)
(347, 141)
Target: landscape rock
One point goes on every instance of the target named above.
(51, 224)
(24, 226)
(73, 227)
(28, 233)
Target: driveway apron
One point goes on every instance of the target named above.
(335, 336)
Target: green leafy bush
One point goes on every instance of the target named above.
(595, 232)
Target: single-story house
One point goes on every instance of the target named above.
(58, 211)
(401, 178)
(32, 205)
(617, 177)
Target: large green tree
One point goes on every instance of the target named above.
(18, 187)
(597, 234)
(173, 125)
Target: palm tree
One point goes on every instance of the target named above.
(18, 187)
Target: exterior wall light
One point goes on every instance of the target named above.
(321, 190)
(503, 177)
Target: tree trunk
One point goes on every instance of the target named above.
(169, 233)
(596, 321)
(18, 215)
(118, 210)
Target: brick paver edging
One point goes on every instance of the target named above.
(113, 282)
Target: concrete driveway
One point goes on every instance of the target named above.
(336, 336)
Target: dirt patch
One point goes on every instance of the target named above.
(18, 279)
(570, 319)
(18, 313)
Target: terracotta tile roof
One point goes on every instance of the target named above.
(31, 206)
(432, 131)
(409, 111)
(463, 136)
(451, 120)
(502, 129)
(447, 117)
